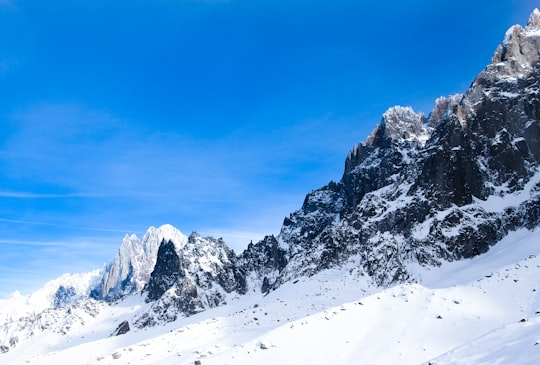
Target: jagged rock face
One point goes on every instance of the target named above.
(122, 329)
(166, 272)
(263, 261)
(419, 190)
(130, 270)
(443, 106)
(448, 172)
(424, 189)
(204, 273)
(201, 274)
(399, 124)
(329, 227)
(518, 53)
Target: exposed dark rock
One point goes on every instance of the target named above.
(130, 270)
(166, 272)
(122, 329)
(416, 190)
(266, 259)
(191, 278)
(419, 189)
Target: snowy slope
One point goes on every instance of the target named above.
(515, 344)
(461, 309)
(49, 296)
(426, 251)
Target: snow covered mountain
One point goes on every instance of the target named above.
(445, 187)
(130, 270)
(433, 221)
(185, 280)
(473, 311)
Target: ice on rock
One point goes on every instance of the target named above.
(131, 268)
(518, 54)
(534, 20)
(400, 124)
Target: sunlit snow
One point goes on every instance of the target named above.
(461, 312)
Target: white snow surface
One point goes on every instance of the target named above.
(404, 124)
(17, 305)
(496, 203)
(484, 310)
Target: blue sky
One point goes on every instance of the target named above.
(214, 116)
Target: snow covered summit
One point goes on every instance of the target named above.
(130, 270)
(401, 124)
(420, 195)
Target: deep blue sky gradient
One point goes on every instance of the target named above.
(215, 116)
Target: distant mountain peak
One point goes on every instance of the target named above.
(517, 55)
(404, 124)
(418, 192)
(131, 268)
(534, 20)
(168, 232)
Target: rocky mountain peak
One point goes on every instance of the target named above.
(165, 232)
(534, 20)
(444, 106)
(419, 191)
(399, 124)
(166, 272)
(518, 54)
(131, 268)
(264, 261)
(199, 275)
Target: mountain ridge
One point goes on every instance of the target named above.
(418, 191)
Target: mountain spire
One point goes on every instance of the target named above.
(534, 20)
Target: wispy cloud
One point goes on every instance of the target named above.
(77, 170)
(111, 172)
(58, 244)
(71, 246)
(29, 195)
(45, 260)
(90, 153)
(78, 227)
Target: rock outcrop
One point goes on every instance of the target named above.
(420, 190)
(130, 270)
(444, 187)
(187, 279)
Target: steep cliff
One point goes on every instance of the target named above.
(445, 187)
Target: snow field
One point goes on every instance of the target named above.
(463, 312)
